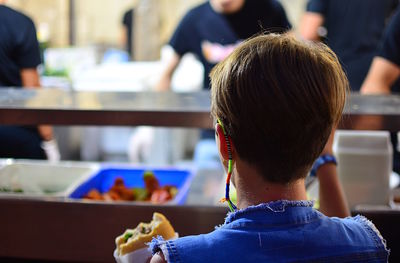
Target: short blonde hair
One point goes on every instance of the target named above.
(278, 98)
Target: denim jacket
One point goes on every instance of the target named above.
(280, 231)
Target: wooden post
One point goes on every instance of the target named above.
(146, 44)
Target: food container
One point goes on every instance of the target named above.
(35, 179)
(364, 166)
(133, 178)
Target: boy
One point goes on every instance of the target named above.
(276, 100)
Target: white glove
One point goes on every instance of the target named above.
(51, 150)
(140, 145)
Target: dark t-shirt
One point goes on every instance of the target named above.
(19, 48)
(211, 36)
(354, 28)
(390, 47)
(127, 21)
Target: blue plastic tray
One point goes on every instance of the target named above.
(104, 179)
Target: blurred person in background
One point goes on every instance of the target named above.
(385, 68)
(127, 31)
(211, 31)
(352, 28)
(384, 74)
(19, 58)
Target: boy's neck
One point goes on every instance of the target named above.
(252, 189)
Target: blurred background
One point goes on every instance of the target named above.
(123, 46)
(80, 23)
(98, 46)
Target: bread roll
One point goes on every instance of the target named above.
(133, 239)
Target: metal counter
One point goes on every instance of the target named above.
(60, 107)
(166, 109)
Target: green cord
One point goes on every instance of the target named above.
(230, 206)
(230, 166)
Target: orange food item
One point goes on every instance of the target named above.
(94, 195)
(160, 196)
(151, 182)
(121, 192)
(114, 196)
(152, 192)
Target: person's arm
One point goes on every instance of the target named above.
(310, 24)
(165, 81)
(123, 37)
(385, 68)
(30, 80)
(332, 201)
(126, 25)
(158, 258)
(381, 76)
(28, 58)
(181, 42)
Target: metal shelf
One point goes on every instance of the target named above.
(165, 109)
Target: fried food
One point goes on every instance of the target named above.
(133, 239)
(120, 192)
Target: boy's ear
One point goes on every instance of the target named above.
(221, 143)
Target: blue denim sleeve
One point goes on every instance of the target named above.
(168, 248)
(155, 244)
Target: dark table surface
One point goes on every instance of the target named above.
(45, 230)
(86, 231)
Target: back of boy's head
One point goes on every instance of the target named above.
(278, 99)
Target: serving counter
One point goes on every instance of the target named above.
(85, 231)
(68, 230)
(165, 109)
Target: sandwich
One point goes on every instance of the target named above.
(137, 238)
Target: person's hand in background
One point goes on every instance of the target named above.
(49, 143)
(381, 77)
(164, 83)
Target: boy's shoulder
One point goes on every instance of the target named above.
(368, 227)
(325, 238)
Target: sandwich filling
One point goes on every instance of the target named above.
(138, 237)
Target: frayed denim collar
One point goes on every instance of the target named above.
(274, 206)
(155, 244)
